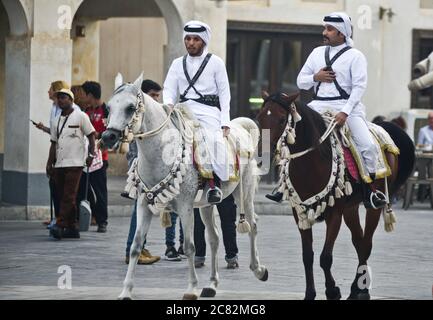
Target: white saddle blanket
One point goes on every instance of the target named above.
(384, 143)
(244, 146)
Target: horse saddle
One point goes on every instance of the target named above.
(202, 157)
(354, 160)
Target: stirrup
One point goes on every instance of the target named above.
(216, 196)
(378, 195)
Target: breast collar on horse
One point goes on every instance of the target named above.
(311, 209)
(164, 191)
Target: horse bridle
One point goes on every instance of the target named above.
(288, 135)
(132, 129)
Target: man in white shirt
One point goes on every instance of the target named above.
(66, 160)
(55, 112)
(202, 81)
(338, 73)
(425, 136)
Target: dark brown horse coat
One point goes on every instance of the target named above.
(310, 174)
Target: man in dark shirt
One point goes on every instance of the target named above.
(98, 113)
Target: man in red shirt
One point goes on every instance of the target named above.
(98, 113)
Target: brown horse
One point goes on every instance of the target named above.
(310, 174)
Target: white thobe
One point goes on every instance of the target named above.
(351, 73)
(213, 81)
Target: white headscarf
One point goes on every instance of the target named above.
(345, 26)
(197, 28)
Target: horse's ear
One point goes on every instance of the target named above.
(138, 82)
(265, 94)
(292, 97)
(118, 81)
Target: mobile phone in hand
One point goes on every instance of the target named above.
(33, 122)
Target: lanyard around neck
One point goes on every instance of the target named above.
(63, 126)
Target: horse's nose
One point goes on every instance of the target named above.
(110, 137)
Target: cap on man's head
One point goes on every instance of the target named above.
(67, 92)
(197, 28)
(58, 85)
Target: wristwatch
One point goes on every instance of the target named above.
(92, 155)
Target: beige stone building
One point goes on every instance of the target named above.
(264, 43)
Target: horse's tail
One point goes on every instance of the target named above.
(251, 127)
(406, 158)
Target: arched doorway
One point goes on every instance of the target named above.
(110, 37)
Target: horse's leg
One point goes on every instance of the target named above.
(371, 221)
(144, 217)
(333, 223)
(208, 218)
(249, 180)
(372, 218)
(362, 241)
(186, 214)
(308, 259)
(351, 219)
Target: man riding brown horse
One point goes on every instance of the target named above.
(338, 73)
(313, 170)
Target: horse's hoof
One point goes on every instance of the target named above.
(190, 296)
(352, 296)
(359, 295)
(364, 296)
(124, 298)
(310, 295)
(208, 293)
(265, 276)
(333, 293)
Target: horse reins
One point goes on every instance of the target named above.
(325, 135)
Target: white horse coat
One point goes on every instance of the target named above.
(155, 166)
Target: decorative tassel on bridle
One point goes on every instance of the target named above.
(166, 190)
(310, 210)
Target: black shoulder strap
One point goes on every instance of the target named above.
(337, 55)
(196, 76)
(329, 63)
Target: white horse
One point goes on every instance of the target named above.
(165, 181)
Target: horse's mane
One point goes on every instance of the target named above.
(310, 128)
(149, 101)
(129, 87)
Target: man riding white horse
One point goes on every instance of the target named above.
(202, 81)
(338, 73)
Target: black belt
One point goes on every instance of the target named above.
(207, 99)
(329, 98)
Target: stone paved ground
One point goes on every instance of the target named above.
(401, 262)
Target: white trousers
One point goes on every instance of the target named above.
(363, 140)
(362, 137)
(214, 139)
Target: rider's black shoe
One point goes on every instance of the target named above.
(373, 199)
(126, 195)
(376, 200)
(215, 195)
(277, 196)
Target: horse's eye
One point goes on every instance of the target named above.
(130, 108)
